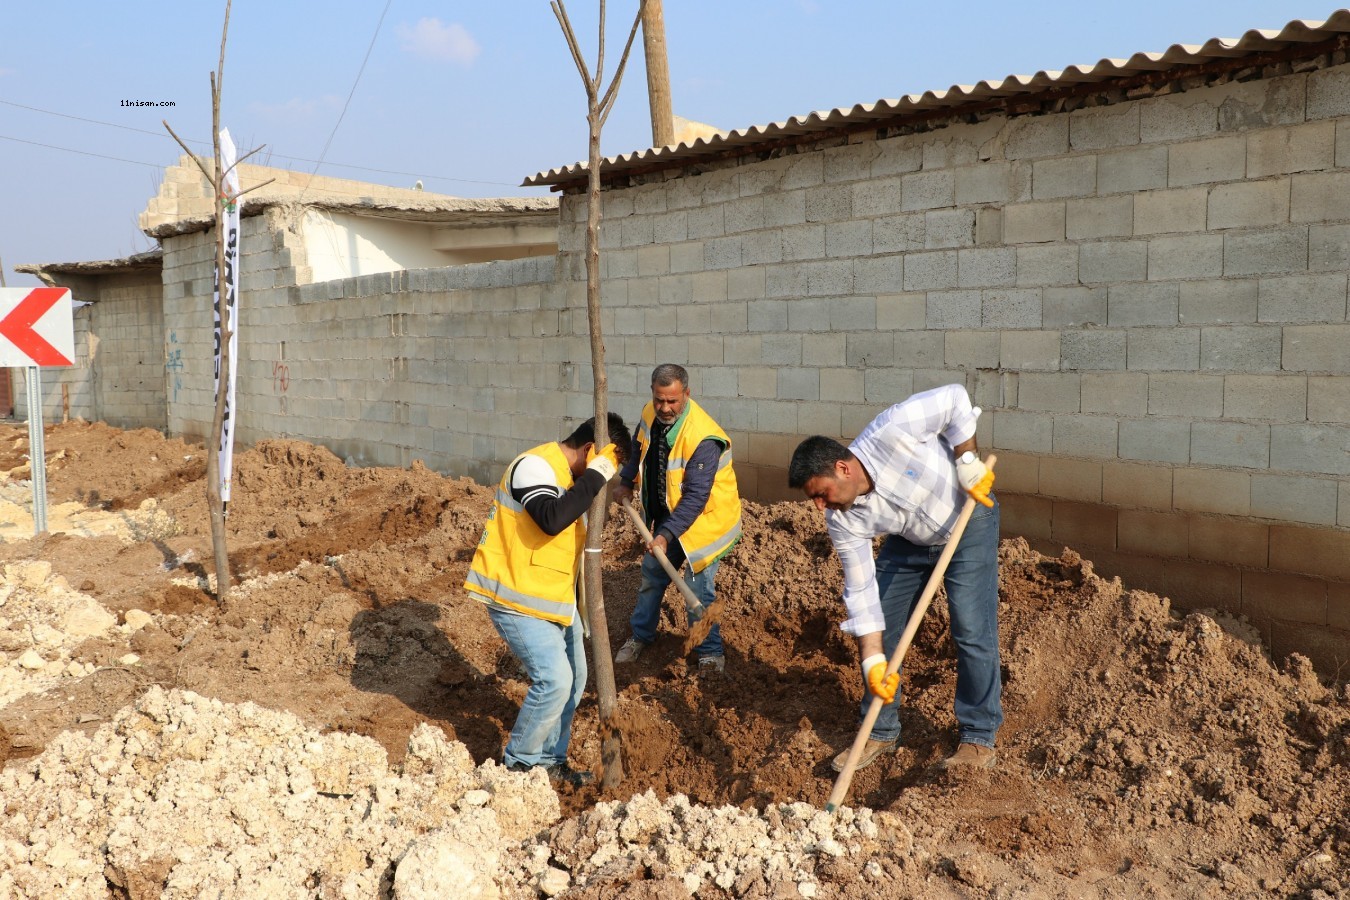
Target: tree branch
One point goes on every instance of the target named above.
(612, 94)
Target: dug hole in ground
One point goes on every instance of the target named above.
(334, 732)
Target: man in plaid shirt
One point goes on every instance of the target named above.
(906, 477)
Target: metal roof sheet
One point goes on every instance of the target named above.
(1253, 42)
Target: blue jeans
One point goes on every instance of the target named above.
(647, 610)
(555, 659)
(972, 597)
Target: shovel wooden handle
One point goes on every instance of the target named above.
(845, 778)
(692, 604)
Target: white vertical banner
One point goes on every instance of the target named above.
(230, 280)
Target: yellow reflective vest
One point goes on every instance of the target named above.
(718, 527)
(517, 565)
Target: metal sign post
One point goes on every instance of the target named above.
(37, 450)
(36, 329)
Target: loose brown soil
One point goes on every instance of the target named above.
(1144, 753)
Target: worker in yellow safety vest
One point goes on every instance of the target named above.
(526, 570)
(680, 468)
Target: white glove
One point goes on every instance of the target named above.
(604, 463)
(970, 469)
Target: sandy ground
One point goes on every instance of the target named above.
(1144, 754)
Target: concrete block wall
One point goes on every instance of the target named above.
(461, 367)
(1149, 298)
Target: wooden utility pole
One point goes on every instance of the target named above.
(658, 73)
(597, 110)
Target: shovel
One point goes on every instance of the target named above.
(845, 778)
(693, 607)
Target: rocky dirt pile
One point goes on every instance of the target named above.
(332, 731)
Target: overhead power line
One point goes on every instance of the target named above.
(274, 154)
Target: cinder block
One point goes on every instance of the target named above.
(1329, 92)
(1303, 298)
(1031, 136)
(1018, 473)
(1096, 128)
(818, 418)
(1128, 171)
(987, 267)
(722, 253)
(1069, 479)
(1093, 350)
(1277, 595)
(1072, 176)
(1319, 197)
(1050, 265)
(1207, 161)
(1028, 223)
(801, 242)
(1064, 306)
(955, 309)
(873, 349)
(1263, 252)
(1239, 348)
(1230, 444)
(1027, 432)
(1316, 348)
(1317, 449)
(1185, 256)
(876, 274)
(1143, 304)
(1136, 486)
(921, 349)
(1048, 392)
(949, 228)
(1229, 541)
(1218, 491)
(933, 271)
(763, 247)
(758, 382)
(686, 257)
(1079, 435)
(1251, 204)
(1294, 498)
(825, 350)
(1329, 245)
(1016, 308)
(852, 238)
(1027, 351)
(1099, 217)
(852, 313)
(928, 190)
(987, 182)
(1084, 526)
(1281, 151)
(883, 387)
(1329, 399)
(781, 349)
(808, 315)
(903, 311)
(1314, 551)
(829, 203)
(1177, 117)
(832, 278)
(1185, 395)
(1122, 394)
(903, 233)
(988, 226)
(1153, 533)
(972, 349)
(1025, 515)
(1176, 210)
(841, 385)
(1219, 302)
(1193, 585)
(896, 156)
(1111, 262)
(798, 384)
(1338, 608)
(784, 209)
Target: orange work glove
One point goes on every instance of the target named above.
(975, 477)
(880, 684)
(606, 462)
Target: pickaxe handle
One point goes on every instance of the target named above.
(845, 778)
(691, 602)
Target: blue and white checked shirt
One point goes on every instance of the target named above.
(908, 452)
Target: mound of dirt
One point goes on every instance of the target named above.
(1144, 752)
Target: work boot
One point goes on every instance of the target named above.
(871, 751)
(630, 651)
(712, 665)
(565, 774)
(971, 756)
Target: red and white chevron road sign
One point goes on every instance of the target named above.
(37, 327)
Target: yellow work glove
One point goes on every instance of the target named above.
(606, 462)
(878, 682)
(975, 477)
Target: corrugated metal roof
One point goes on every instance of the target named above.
(1299, 31)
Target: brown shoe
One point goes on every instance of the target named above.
(975, 756)
(871, 751)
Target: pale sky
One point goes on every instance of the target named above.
(473, 96)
